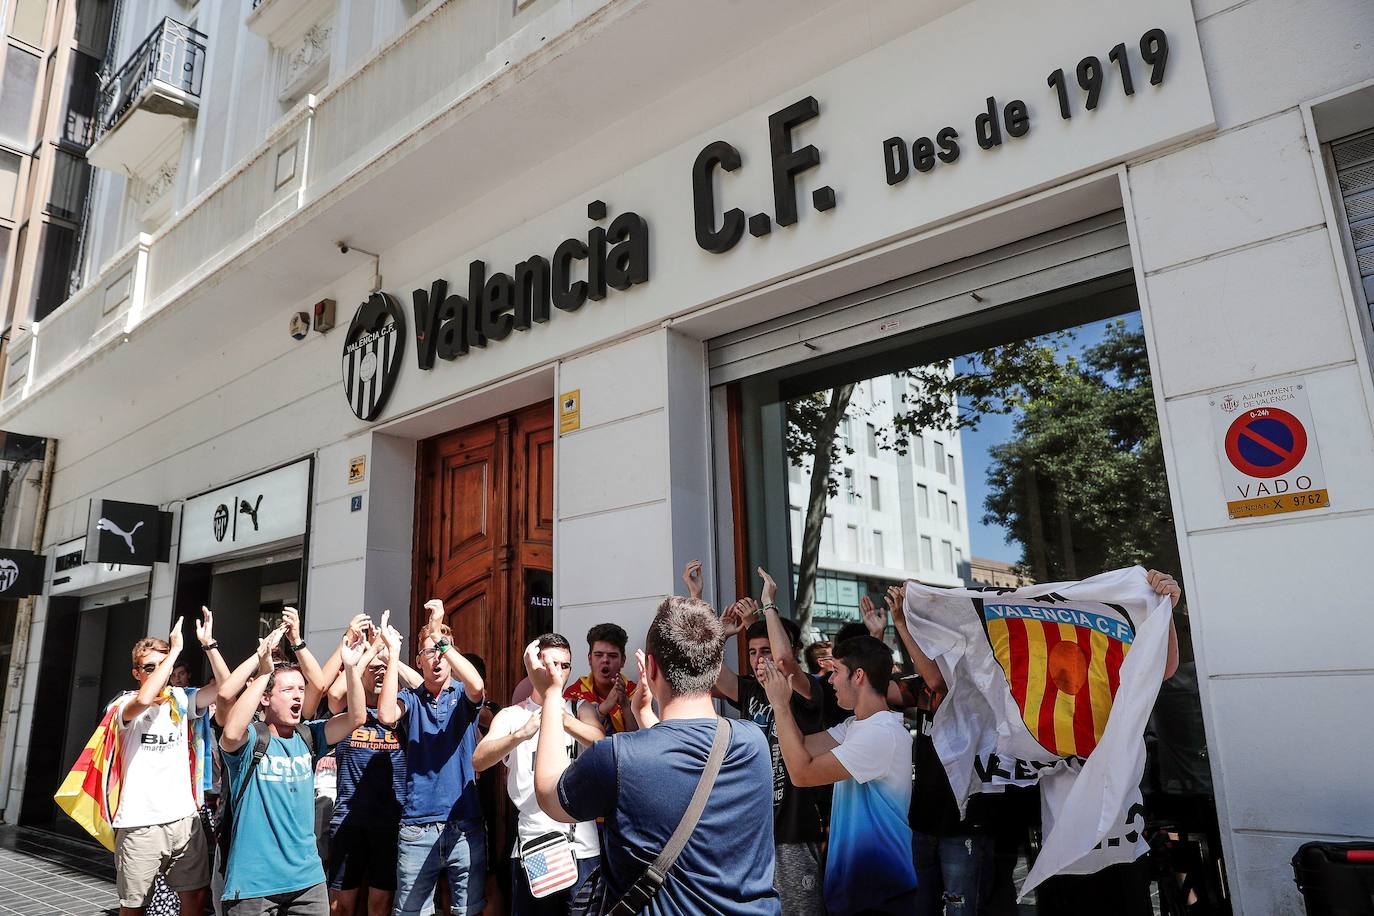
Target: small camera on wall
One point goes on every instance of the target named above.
(300, 325)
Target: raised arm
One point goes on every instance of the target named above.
(461, 667)
(643, 698)
(388, 708)
(691, 577)
(875, 621)
(341, 726)
(779, 645)
(806, 765)
(219, 671)
(735, 622)
(358, 630)
(154, 683)
(315, 682)
(1165, 584)
(229, 690)
(925, 666)
(245, 707)
(551, 754)
(500, 740)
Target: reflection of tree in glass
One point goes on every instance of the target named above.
(1081, 484)
(996, 380)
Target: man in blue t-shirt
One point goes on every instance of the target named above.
(868, 758)
(641, 782)
(273, 866)
(441, 820)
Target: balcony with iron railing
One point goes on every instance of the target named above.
(146, 102)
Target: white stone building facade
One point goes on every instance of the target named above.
(430, 137)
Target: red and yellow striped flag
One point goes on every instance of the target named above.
(1063, 668)
(90, 793)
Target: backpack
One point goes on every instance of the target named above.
(224, 830)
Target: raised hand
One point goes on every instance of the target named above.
(691, 576)
(536, 669)
(875, 618)
(739, 616)
(770, 588)
(643, 698)
(558, 676)
(391, 637)
(358, 627)
(291, 620)
(352, 655)
(1164, 584)
(614, 699)
(174, 639)
(894, 600)
(777, 685)
(265, 647)
(205, 626)
(436, 616)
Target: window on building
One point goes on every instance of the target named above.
(71, 177)
(918, 448)
(947, 556)
(93, 18)
(793, 473)
(849, 494)
(57, 250)
(83, 90)
(875, 494)
(879, 554)
(828, 536)
(851, 541)
(953, 472)
(944, 507)
(9, 181)
(923, 500)
(871, 438)
(4, 249)
(29, 16)
(927, 556)
(795, 518)
(939, 456)
(954, 515)
(16, 96)
(958, 561)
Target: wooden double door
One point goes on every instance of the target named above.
(484, 537)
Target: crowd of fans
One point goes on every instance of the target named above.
(629, 796)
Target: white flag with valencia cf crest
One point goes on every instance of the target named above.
(1052, 684)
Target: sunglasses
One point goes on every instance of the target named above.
(146, 669)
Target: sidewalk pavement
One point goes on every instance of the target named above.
(46, 874)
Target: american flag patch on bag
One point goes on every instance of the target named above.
(549, 864)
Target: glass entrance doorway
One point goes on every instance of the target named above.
(1014, 445)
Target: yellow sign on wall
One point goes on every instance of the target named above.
(357, 469)
(570, 411)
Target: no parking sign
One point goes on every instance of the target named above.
(1268, 450)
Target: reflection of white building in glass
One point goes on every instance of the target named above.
(895, 517)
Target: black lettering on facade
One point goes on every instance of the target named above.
(709, 238)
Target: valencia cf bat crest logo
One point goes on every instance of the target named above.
(1063, 666)
(372, 355)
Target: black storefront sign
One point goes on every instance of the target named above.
(132, 534)
(449, 324)
(21, 573)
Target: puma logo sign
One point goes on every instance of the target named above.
(106, 525)
(251, 511)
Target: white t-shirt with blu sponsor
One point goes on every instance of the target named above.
(156, 755)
